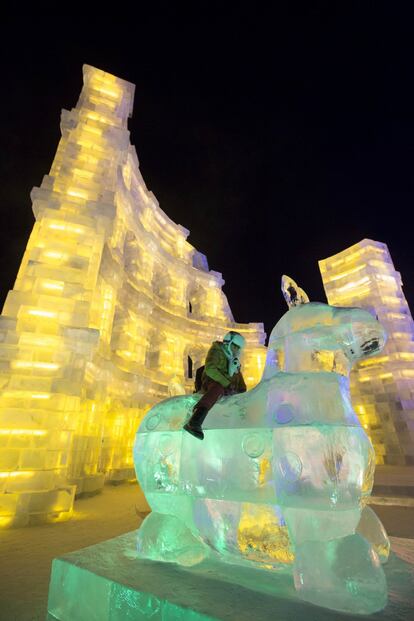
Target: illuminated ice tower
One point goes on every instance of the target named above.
(112, 310)
(382, 387)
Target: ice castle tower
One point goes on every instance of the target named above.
(112, 311)
(382, 387)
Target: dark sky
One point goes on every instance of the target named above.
(277, 140)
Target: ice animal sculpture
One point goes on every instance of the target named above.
(284, 471)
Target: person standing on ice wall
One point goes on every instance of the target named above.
(221, 376)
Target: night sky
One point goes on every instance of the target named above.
(277, 140)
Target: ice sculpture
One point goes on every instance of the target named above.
(284, 471)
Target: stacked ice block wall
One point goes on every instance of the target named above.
(112, 311)
(382, 387)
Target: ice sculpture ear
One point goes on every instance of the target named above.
(294, 295)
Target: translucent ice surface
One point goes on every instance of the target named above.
(282, 474)
(371, 528)
(343, 573)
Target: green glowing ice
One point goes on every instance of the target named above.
(107, 582)
(281, 477)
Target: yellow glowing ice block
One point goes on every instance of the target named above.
(382, 388)
(112, 310)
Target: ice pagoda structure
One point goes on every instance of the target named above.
(382, 387)
(112, 311)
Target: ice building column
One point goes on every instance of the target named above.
(382, 387)
(53, 318)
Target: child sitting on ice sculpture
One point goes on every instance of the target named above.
(221, 376)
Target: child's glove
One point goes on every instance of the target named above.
(234, 366)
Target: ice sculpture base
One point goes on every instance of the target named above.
(107, 582)
(37, 507)
(119, 475)
(88, 485)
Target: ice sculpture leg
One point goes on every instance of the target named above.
(333, 566)
(371, 528)
(344, 574)
(320, 493)
(164, 537)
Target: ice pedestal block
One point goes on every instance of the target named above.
(284, 471)
(108, 582)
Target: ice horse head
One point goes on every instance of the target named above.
(313, 336)
(282, 476)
